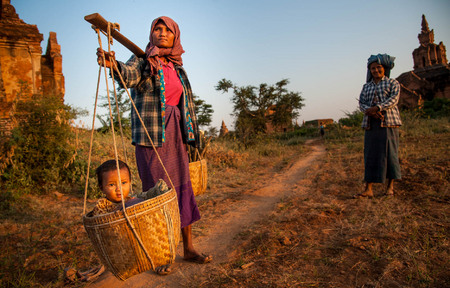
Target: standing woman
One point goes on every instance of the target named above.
(164, 100)
(378, 101)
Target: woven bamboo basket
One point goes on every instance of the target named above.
(156, 221)
(198, 171)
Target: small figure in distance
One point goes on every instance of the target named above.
(322, 130)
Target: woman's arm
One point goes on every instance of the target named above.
(131, 71)
(365, 105)
(393, 97)
(364, 102)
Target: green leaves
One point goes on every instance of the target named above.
(120, 111)
(203, 111)
(42, 145)
(267, 108)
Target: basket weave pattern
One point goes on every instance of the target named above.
(157, 222)
(199, 176)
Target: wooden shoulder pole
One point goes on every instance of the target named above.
(98, 21)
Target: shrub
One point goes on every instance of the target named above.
(352, 119)
(438, 107)
(42, 147)
(304, 131)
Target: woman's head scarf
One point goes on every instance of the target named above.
(172, 54)
(383, 59)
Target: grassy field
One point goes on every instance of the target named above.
(324, 238)
(41, 235)
(329, 239)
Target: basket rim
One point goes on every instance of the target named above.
(118, 216)
(198, 162)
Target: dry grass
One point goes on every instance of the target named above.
(231, 172)
(45, 236)
(319, 237)
(42, 235)
(325, 238)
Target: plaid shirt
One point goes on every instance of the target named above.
(146, 94)
(385, 95)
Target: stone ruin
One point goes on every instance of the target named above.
(431, 75)
(24, 71)
(223, 130)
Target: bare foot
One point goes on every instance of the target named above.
(189, 252)
(365, 194)
(368, 192)
(390, 188)
(198, 258)
(389, 192)
(163, 270)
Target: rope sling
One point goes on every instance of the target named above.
(113, 69)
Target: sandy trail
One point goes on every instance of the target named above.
(219, 236)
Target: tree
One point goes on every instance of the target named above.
(212, 131)
(352, 119)
(286, 101)
(203, 111)
(254, 108)
(123, 106)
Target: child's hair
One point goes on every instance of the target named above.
(107, 166)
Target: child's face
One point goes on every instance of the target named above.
(111, 186)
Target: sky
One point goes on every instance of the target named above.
(322, 47)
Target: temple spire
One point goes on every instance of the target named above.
(223, 129)
(425, 27)
(428, 53)
(426, 35)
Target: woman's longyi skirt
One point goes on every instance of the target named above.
(174, 157)
(381, 153)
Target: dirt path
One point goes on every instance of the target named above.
(220, 232)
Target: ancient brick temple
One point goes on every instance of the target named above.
(223, 130)
(24, 71)
(431, 75)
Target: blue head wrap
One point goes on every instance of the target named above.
(383, 59)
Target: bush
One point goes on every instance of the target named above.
(352, 119)
(42, 147)
(304, 131)
(438, 107)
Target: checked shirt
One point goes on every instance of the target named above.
(148, 95)
(385, 95)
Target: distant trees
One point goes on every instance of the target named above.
(212, 131)
(203, 111)
(120, 111)
(254, 106)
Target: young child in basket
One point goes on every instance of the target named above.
(108, 182)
